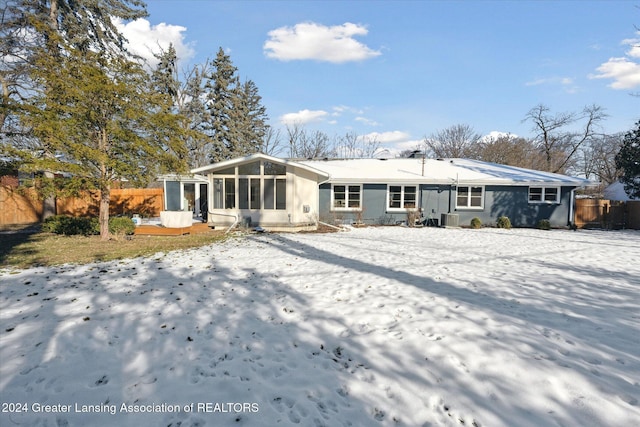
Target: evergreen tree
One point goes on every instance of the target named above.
(193, 106)
(219, 90)
(91, 112)
(628, 160)
(254, 124)
(103, 123)
(165, 76)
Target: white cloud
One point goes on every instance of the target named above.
(367, 121)
(634, 52)
(395, 136)
(339, 109)
(567, 83)
(624, 71)
(145, 39)
(302, 117)
(313, 41)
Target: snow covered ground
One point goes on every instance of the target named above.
(377, 326)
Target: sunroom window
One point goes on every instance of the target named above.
(544, 195)
(256, 185)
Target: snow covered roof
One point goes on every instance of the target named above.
(253, 157)
(616, 192)
(437, 171)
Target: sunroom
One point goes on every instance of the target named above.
(264, 191)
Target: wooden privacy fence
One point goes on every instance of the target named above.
(19, 207)
(147, 202)
(608, 214)
(24, 207)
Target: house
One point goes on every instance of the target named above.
(279, 194)
(260, 190)
(616, 192)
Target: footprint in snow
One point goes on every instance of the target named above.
(104, 380)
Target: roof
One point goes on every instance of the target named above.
(616, 192)
(253, 157)
(436, 171)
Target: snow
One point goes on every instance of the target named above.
(616, 191)
(443, 171)
(377, 326)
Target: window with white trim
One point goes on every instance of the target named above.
(544, 194)
(346, 197)
(469, 197)
(255, 185)
(402, 197)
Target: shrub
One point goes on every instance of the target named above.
(70, 226)
(476, 223)
(544, 224)
(121, 225)
(504, 222)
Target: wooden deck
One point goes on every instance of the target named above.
(158, 230)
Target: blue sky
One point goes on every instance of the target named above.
(403, 70)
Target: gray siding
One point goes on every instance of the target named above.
(435, 200)
(513, 202)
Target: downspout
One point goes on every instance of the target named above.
(451, 190)
(571, 208)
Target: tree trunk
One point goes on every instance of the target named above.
(105, 196)
(49, 203)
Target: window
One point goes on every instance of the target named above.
(271, 168)
(470, 197)
(544, 195)
(402, 197)
(229, 193)
(346, 197)
(252, 168)
(281, 194)
(251, 189)
(218, 192)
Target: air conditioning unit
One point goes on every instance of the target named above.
(449, 220)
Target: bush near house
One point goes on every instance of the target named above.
(476, 223)
(504, 222)
(544, 224)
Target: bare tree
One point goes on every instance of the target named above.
(597, 158)
(308, 145)
(555, 137)
(352, 145)
(455, 141)
(272, 142)
(509, 150)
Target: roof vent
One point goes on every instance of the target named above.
(440, 159)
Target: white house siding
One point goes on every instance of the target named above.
(304, 198)
(301, 191)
